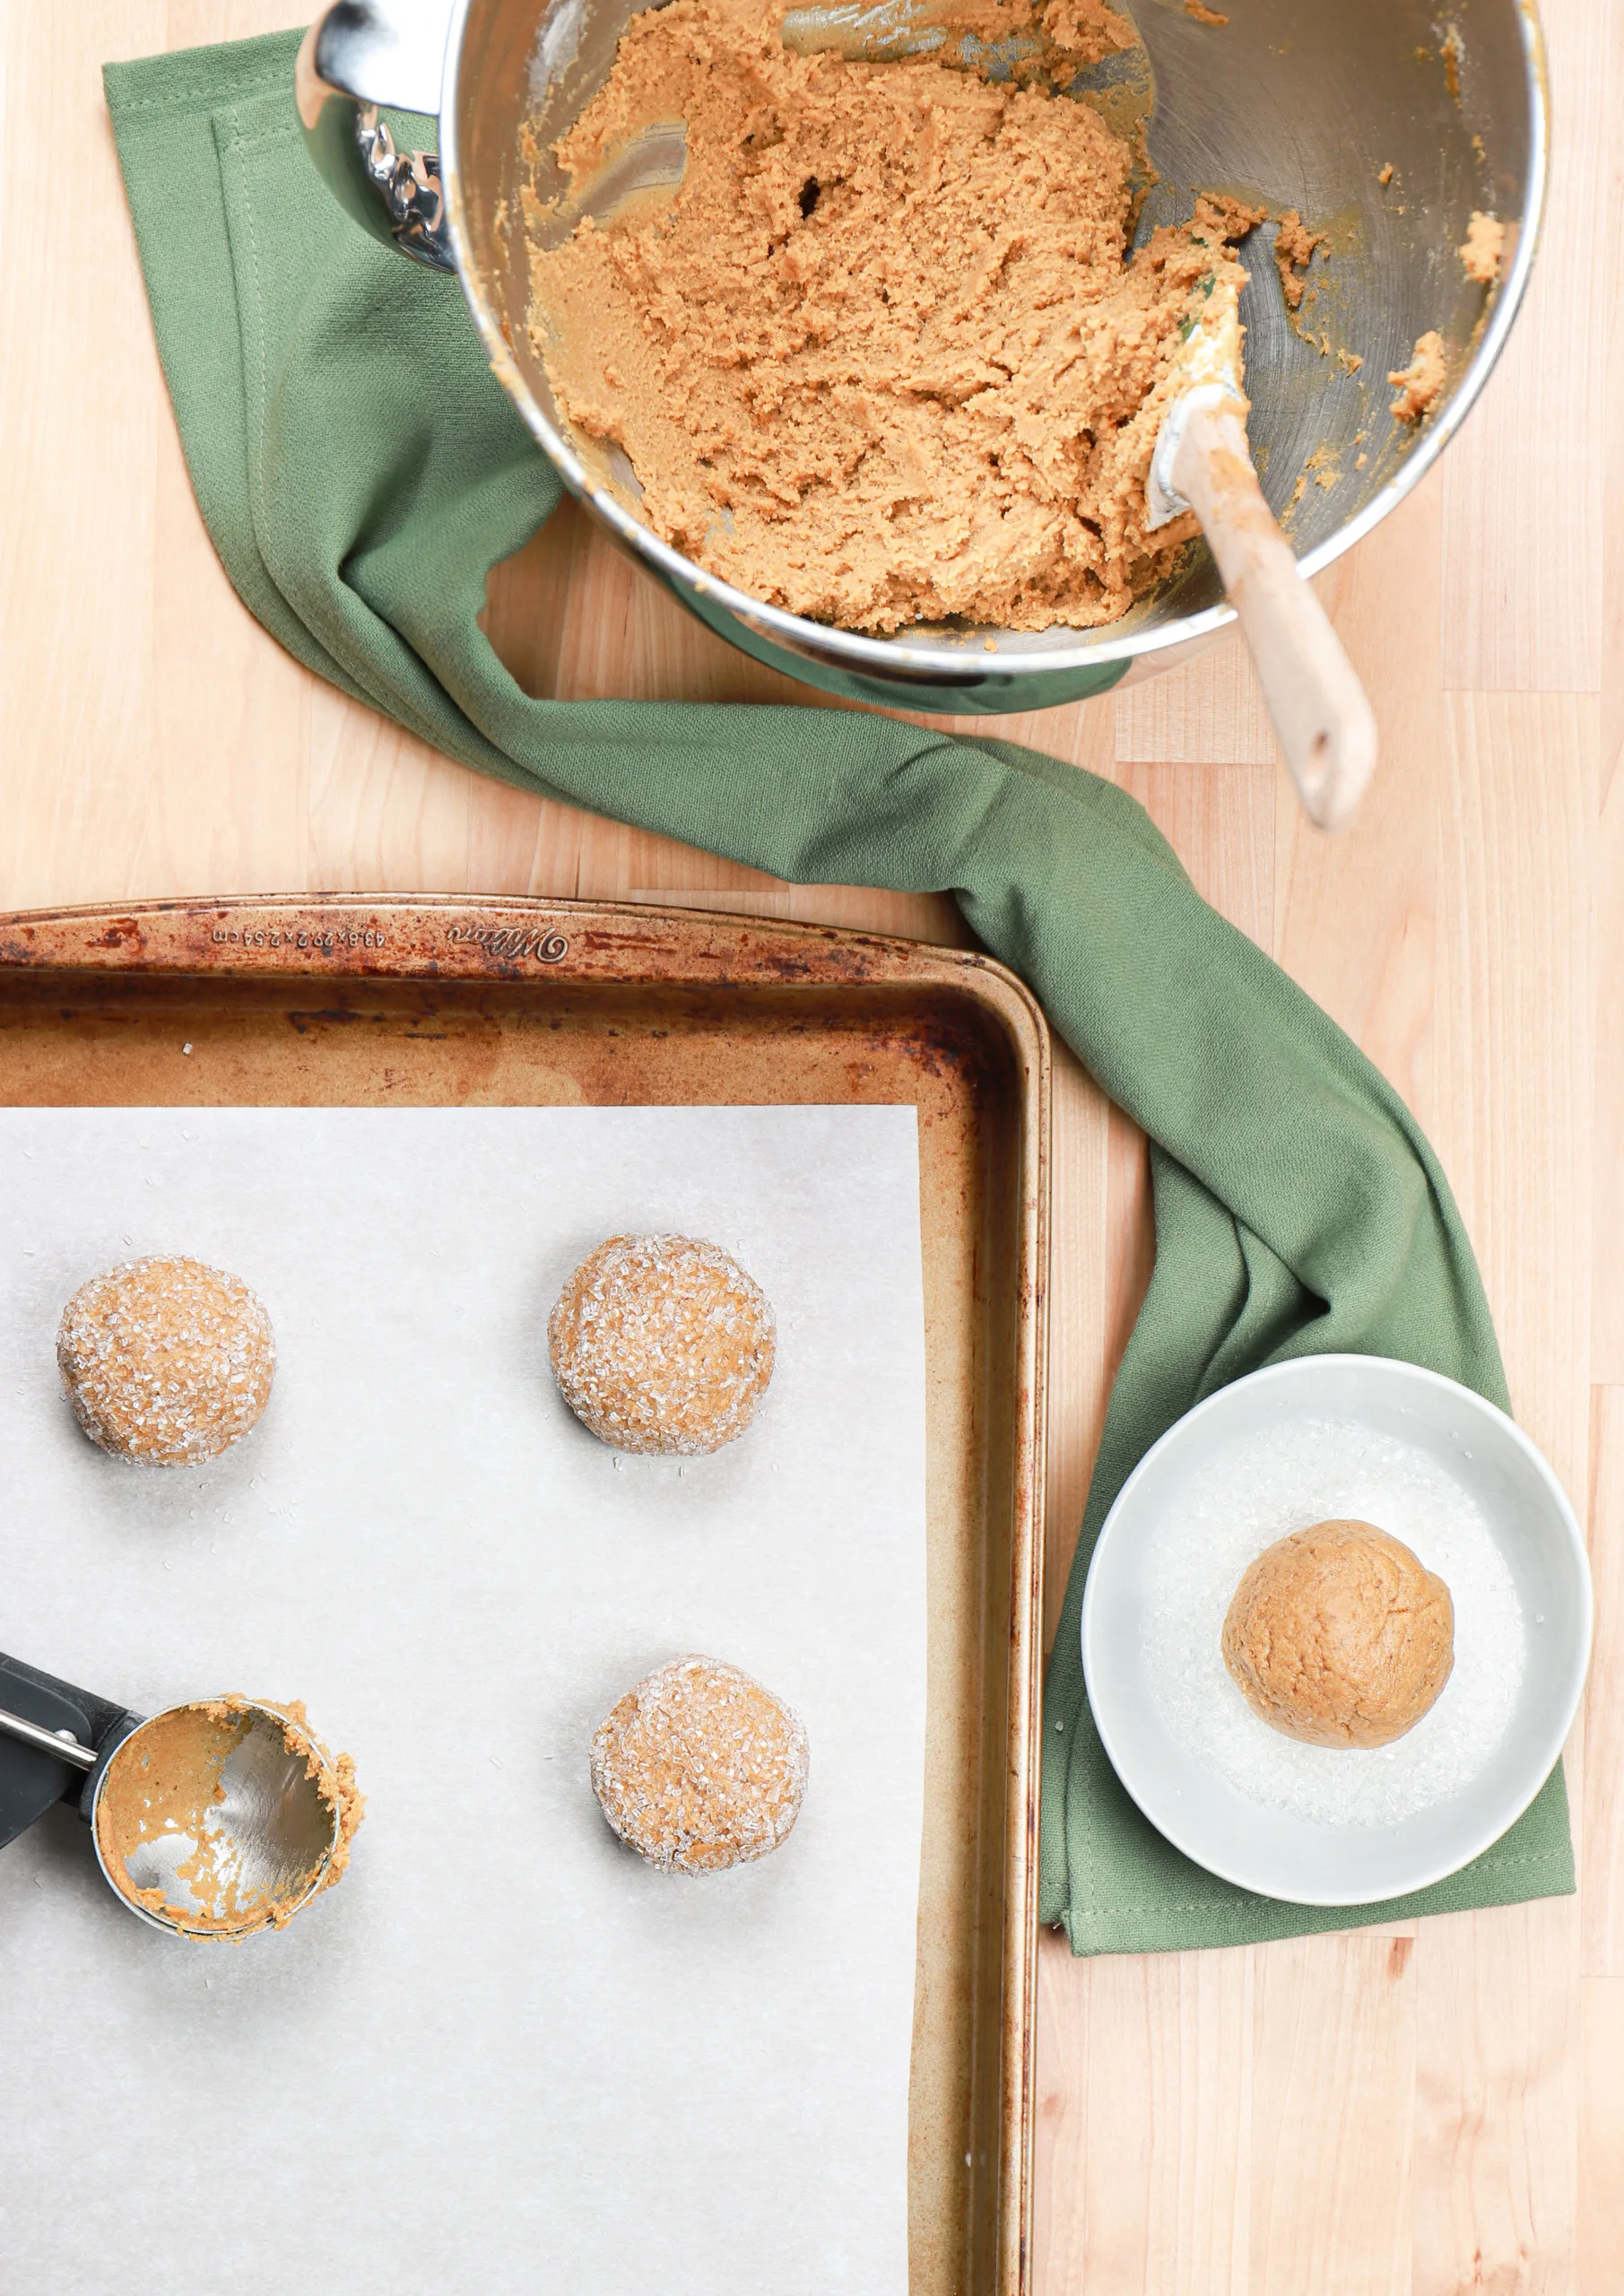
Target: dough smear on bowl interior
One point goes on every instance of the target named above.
(885, 356)
(1339, 1636)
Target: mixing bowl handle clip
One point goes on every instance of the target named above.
(358, 55)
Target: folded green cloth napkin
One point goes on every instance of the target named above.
(360, 471)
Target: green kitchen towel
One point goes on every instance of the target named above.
(360, 471)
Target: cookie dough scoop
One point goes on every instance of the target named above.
(216, 1818)
(1202, 462)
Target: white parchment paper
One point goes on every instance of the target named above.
(503, 2055)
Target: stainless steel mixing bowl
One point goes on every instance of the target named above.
(1294, 104)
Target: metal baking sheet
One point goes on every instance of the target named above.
(533, 2043)
(377, 1003)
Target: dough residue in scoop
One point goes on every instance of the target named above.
(166, 1779)
(1418, 384)
(885, 356)
(1339, 1636)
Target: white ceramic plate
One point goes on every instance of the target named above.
(1441, 1469)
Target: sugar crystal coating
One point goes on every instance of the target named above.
(166, 1362)
(662, 1343)
(699, 1768)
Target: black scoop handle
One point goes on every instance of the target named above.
(31, 1780)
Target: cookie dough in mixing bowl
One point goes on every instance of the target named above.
(886, 355)
(1339, 1636)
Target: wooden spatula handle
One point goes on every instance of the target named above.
(1327, 734)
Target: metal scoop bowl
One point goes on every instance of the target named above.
(209, 1819)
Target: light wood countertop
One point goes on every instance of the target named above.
(1410, 2111)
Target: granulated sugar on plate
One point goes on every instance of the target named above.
(1264, 1488)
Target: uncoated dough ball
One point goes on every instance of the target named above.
(698, 1768)
(662, 1343)
(1339, 1636)
(166, 1361)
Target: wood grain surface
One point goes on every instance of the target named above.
(1417, 2112)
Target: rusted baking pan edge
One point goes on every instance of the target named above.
(448, 937)
(559, 945)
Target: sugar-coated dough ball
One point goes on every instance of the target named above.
(662, 1343)
(699, 1768)
(1338, 1636)
(166, 1361)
